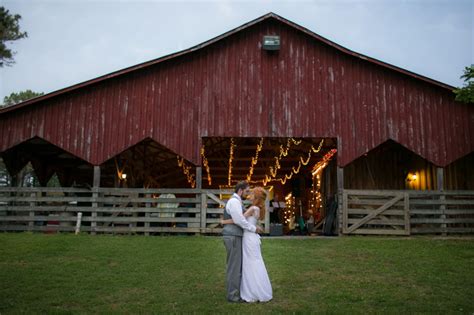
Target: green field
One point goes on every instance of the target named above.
(185, 274)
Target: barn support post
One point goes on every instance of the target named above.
(95, 195)
(267, 217)
(340, 190)
(15, 181)
(442, 207)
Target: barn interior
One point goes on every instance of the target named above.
(299, 173)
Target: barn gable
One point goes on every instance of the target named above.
(230, 87)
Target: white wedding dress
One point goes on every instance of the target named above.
(255, 285)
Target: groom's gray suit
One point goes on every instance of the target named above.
(232, 234)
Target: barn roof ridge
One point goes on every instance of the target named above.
(211, 41)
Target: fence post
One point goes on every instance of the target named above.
(78, 223)
(147, 215)
(406, 206)
(340, 204)
(344, 212)
(267, 217)
(32, 212)
(95, 195)
(203, 211)
(200, 205)
(442, 198)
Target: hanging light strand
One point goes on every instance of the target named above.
(316, 200)
(318, 167)
(120, 170)
(319, 147)
(255, 160)
(273, 170)
(186, 171)
(231, 158)
(296, 142)
(301, 161)
(205, 162)
(312, 150)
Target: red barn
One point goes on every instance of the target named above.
(214, 103)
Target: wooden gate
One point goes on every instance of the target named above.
(375, 212)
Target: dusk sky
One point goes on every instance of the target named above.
(72, 41)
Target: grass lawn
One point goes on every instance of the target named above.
(65, 273)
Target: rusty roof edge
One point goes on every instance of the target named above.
(210, 42)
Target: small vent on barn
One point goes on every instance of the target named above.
(271, 42)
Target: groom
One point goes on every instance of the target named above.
(232, 234)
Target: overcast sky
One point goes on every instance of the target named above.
(71, 41)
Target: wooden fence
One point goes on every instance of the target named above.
(112, 210)
(407, 212)
(151, 211)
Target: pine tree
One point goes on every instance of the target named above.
(9, 31)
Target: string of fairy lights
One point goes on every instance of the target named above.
(254, 160)
(271, 176)
(231, 158)
(315, 202)
(290, 209)
(294, 170)
(189, 176)
(283, 152)
(205, 162)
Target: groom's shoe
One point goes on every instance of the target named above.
(237, 301)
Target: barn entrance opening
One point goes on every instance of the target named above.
(299, 175)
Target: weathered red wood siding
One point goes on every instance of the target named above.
(234, 88)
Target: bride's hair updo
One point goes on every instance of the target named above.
(260, 195)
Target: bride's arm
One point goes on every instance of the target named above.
(247, 214)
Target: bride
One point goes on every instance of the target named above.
(255, 285)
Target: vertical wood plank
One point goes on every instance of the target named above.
(198, 177)
(203, 204)
(406, 208)
(442, 198)
(345, 214)
(267, 216)
(203, 212)
(32, 212)
(95, 195)
(440, 178)
(147, 215)
(340, 208)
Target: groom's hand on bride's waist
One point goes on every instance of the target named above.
(259, 229)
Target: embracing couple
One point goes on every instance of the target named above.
(247, 279)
